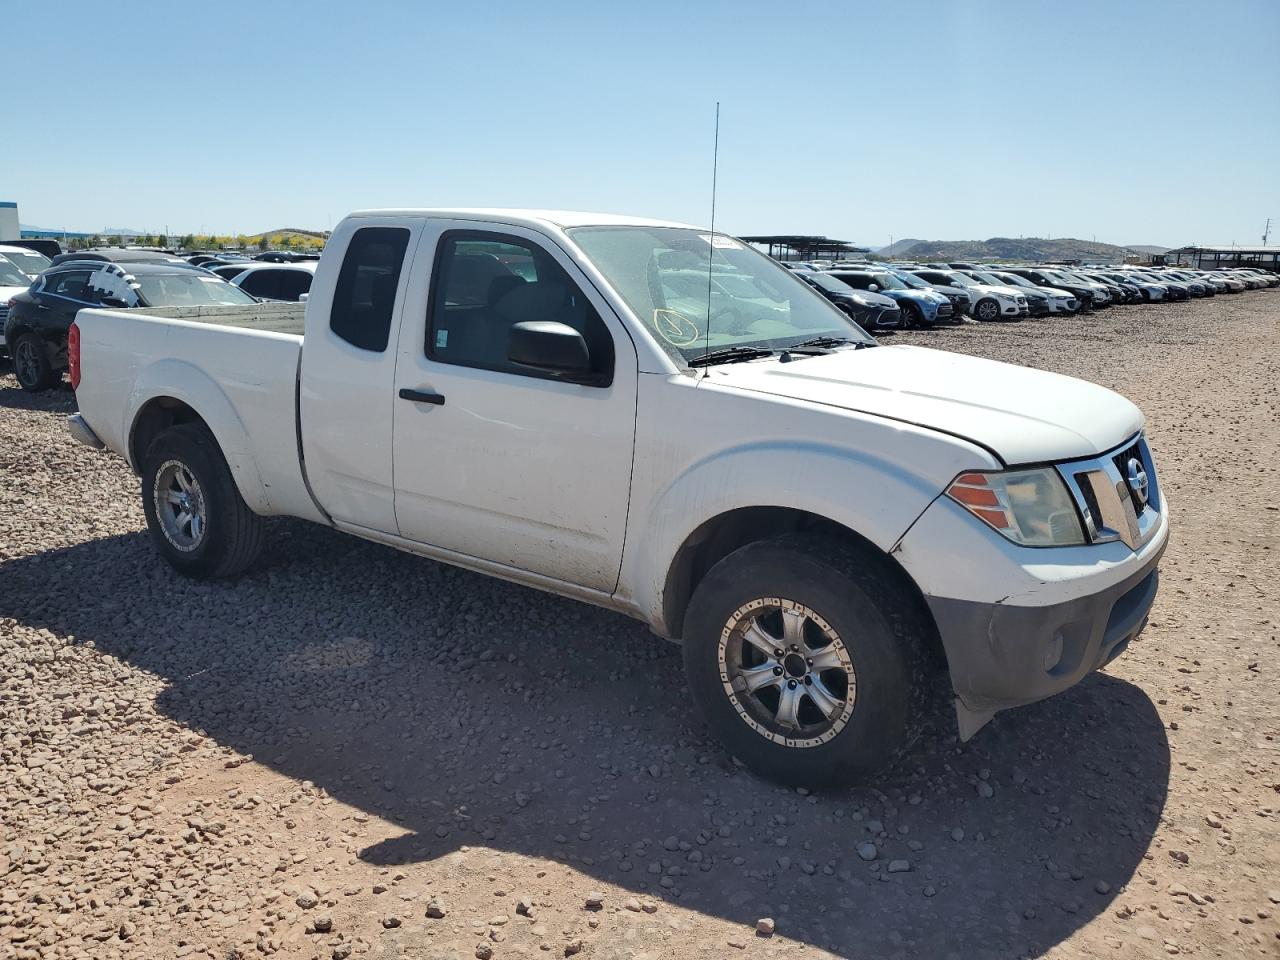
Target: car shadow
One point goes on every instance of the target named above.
(59, 398)
(475, 712)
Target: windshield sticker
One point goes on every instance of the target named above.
(721, 243)
(675, 328)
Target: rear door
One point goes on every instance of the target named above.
(500, 462)
(348, 370)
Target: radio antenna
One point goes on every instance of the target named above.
(711, 240)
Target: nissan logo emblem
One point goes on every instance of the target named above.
(1138, 482)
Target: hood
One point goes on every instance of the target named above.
(7, 292)
(1023, 415)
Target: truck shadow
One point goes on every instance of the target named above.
(474, 712)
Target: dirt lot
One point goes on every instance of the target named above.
(352, 751)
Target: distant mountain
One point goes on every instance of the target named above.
(1147, 248)
(1009, 248)
(897, 248)
(120, 232)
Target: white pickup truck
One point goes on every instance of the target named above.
(555, 398)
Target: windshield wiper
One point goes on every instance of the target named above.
(831, 342)
(730, 355)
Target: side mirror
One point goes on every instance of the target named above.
(549, 346)
(114, 302)
(873, 287)
(302, 297)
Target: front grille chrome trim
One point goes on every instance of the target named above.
(1109, 508)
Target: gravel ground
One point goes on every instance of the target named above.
(351, 751)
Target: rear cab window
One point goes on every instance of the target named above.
(365, 297)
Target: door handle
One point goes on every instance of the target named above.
(422, 396)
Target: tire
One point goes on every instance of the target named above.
(838, 592)
(225, 536)
(912, 318)
(31, 364)
(986, 311)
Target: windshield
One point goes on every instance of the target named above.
(960, 280)
(912, 281)
(829, 283)
(662, 274)
(983, 277)
(188, 289)
(1013, 280)
(10, 275)
(29, 262)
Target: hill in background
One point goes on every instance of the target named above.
(897, 248)
(293, 238)
(1021, 248)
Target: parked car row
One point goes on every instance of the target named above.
(40, 296)
(888, 296)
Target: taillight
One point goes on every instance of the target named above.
(73, 356)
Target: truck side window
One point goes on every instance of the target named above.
(484, 283)
(365, 296)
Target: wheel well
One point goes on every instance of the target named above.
(722, 535)
(153, 419)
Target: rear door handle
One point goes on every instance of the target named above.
(422, 396)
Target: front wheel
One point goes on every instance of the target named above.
(31, 364)
(804, 658)
(197, 518)
(987, 310)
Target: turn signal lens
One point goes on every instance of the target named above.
(1029, 507)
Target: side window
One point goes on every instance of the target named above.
(262, 283)
(71, 284)
(366, 293)
(485, 283)
(294, 283)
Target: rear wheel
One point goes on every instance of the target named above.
(804, 658)
(912, 318)
(987, 310)
(197, 518)
(31, 364)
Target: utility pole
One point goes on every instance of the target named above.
(1266, 232)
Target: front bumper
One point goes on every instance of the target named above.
(1020, 624)
(1009, 656)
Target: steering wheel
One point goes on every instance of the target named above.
(675, 328)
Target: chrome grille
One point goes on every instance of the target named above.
(1106, 499)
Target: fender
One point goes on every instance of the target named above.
(188, 383)
(874, 497)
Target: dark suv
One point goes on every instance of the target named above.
(38, 321)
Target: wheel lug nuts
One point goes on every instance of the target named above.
(809, 662)
(791, 684)
(777, 671)
(794, 648)
(778, 654)
(808, 681)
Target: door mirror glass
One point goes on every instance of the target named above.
(549, 346)
(873, 287)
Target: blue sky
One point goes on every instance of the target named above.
(1137, 122)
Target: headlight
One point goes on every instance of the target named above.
(1029, 507)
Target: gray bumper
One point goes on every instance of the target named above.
(80, 430)
(1005, 656)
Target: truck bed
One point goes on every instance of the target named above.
(270, 317)
(236, 365)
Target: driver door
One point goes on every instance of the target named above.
(500, 462)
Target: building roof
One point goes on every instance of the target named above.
(1227, 248)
